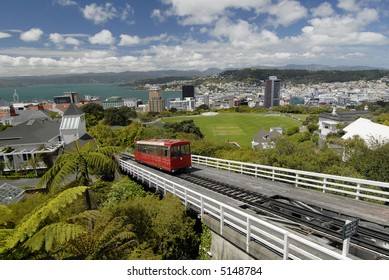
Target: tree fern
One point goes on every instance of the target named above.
(35, 220)
(53, 236)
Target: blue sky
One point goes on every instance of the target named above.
(72, 36)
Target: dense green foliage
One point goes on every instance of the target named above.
(253, 75)
(94, 113)
(127, 223)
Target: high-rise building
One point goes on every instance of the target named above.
(156, 103)
(67, 98)
(272, 92)
(188, 91)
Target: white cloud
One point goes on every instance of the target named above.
(66, 2)
(60, 40)
(4, 35)
(157, 15)
(99, 14)
(348, 5)
(243, 34)
(323, 10)
(126, 12)
(34, 34)
(204, 12)
(104, 37)
(127, 40)
(287, 12)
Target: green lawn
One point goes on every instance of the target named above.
(236, 127)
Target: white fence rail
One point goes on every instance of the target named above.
(286, 243)
(345, 186)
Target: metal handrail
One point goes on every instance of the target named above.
(286, 243)
(339, 185)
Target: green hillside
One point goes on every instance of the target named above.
(236, 127)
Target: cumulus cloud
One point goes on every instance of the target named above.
(104, 37)
(243, 34)
(60, 40)
(34, 34)
(348, 5)
(99, 14)
(4, 35)
(287, 12)
(127, 40)
(323, 10)
(205, 12)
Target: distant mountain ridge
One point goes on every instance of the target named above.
(108, 77)
(320, 67)
(131, 76)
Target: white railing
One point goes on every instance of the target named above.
(339, 185)
(286, 243)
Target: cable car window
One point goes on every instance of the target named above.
(165, 152)
(176, 151)
(185, 150)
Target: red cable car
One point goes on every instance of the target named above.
(166, 154)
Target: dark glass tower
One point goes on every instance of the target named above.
(272, 92)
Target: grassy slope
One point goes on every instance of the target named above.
(235, 127)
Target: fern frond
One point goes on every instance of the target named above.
(35, 220)
(110, 150)
(53, 235)
(64, 175)
(100, 161)
(49, 175)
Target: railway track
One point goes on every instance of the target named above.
(299, 215)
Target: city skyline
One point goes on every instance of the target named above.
(69, 37)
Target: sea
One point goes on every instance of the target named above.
(47, 92)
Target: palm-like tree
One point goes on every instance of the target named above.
(42, 235)
(78, 165)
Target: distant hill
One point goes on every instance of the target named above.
(293, 73)
(110, 77)
(320, 67)
(302, 76)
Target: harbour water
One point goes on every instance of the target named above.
(47, 92)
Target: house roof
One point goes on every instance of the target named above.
(26, 115)
(367, 130)
(81, 142)
(343, 116)
(32, 131)
(264, 136)
(73, 110)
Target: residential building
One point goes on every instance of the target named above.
(370, 132)
(73, 124)
(272, 92)
(328, 122)
(34, 137)
(265, 139)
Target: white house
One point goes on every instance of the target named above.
(367, 130)
(73, 124)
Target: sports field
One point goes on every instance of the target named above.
(236, 127)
